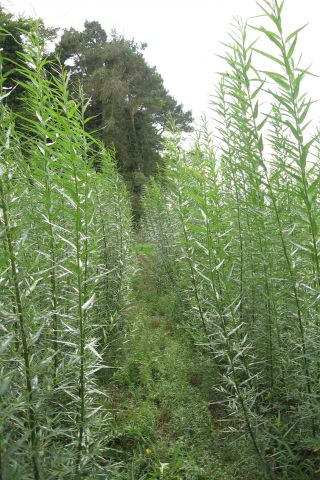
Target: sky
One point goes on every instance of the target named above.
(183, 36)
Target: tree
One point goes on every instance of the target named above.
(11, 44)
(12, 32)
(129, 102)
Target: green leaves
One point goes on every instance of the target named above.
(273, 37)
(294, 34)
(279, 79)
(271, 57)
(241, 224)
(260, 143)
(65, 249)
(134, 116)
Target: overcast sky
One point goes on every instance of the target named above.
(182, 35)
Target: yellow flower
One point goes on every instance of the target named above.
(148, 452)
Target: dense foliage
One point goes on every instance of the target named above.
(238, 238)
(64, 277)
(129, 102)
(129, 105)
(232, 277)
(11, 44)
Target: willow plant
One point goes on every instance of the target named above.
(246, 218)
(52, 275)
(207, 244)
(19, 303)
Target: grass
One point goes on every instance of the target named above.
(162, 425)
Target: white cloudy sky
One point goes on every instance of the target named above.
(183, 35)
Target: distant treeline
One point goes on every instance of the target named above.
(129, 106)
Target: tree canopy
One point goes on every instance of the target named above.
(129, 102)
(11, 44)
(12, 39)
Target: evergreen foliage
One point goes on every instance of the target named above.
(129, 102)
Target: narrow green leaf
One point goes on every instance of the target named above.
(305, 151)
(260, 144)
(261, 124)
(271, 35)
(304, 113)
(268, 55)
(279, 79)
(292, 47)
(293, 129)
(289, 37)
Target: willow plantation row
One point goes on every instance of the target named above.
(64, 276)
(238, 239)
